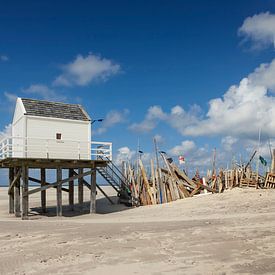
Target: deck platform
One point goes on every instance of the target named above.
(33, 163)
(19, 179)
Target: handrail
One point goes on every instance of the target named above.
(117, 171)
(47, 148)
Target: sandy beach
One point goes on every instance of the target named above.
(229, 233)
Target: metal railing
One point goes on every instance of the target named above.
(18, 147)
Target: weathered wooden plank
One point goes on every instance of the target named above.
(57, 183)
(25, 195)
(80, 187)
(59, 192)
(15, 179)
(146, 182)
(71, 189)
(154, 181)
(17, 195)
(11, 193)
(47, 183)
(43, 192)
(93, 192)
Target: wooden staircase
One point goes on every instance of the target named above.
(112, 174)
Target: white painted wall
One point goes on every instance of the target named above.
(75, 142)
(41, 136)
(18, 129)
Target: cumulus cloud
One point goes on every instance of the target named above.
(85, 70)
(243, 109)
(260, 29)
(177, 118)
(154, 114)
(4, 58)
(124, 154)
(112, 118)
(228, 142)
(185, 147)
(44, 92)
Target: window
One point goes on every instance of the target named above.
(58, 136)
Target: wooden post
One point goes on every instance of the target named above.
(25, 189)
(71, 190)
(273, 162)
(17, 195)
(59, 192)
(11, 195)
(93, 192)
(80, 188)
(43, 192)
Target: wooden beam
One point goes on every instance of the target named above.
(11, 193)
(47, 183)
(59, 192)
(71, 189)
(146, 182)
(17, 195)
(93, 192)
(43, 192)
(80, 187)
(25, 195)
(58, 182)
(15, 179)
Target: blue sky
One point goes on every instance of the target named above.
(148, 67)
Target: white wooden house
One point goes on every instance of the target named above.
(43, 129)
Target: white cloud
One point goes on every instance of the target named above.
(85, 70)
(112, 118)
(6, 132)
(124, 154)
(154, 114)
(4, 58)
(228, 142)
(242, 110)
(44, 92)
(185, 147)
(177, 118)
(264, 76)
(260, 28)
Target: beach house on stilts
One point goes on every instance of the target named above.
(53, 135)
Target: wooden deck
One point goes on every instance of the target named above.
(19, 182)
(51, 163)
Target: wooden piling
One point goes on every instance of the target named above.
(71, 190)
(93, 192)
(80, 188)
(59, 192)
(17, 195)
(43, 192)
(24, 195)
(11, 194)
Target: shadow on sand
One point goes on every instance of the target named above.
(103, 206)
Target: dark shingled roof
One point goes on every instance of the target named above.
(54, 109)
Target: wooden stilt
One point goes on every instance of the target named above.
(71, 190)
(17, 195)
(24, 195)
(59, 192)
(80, 188)
(43, 192)
(93, 192)
(11, 194)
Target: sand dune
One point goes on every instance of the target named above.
(229, 233)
